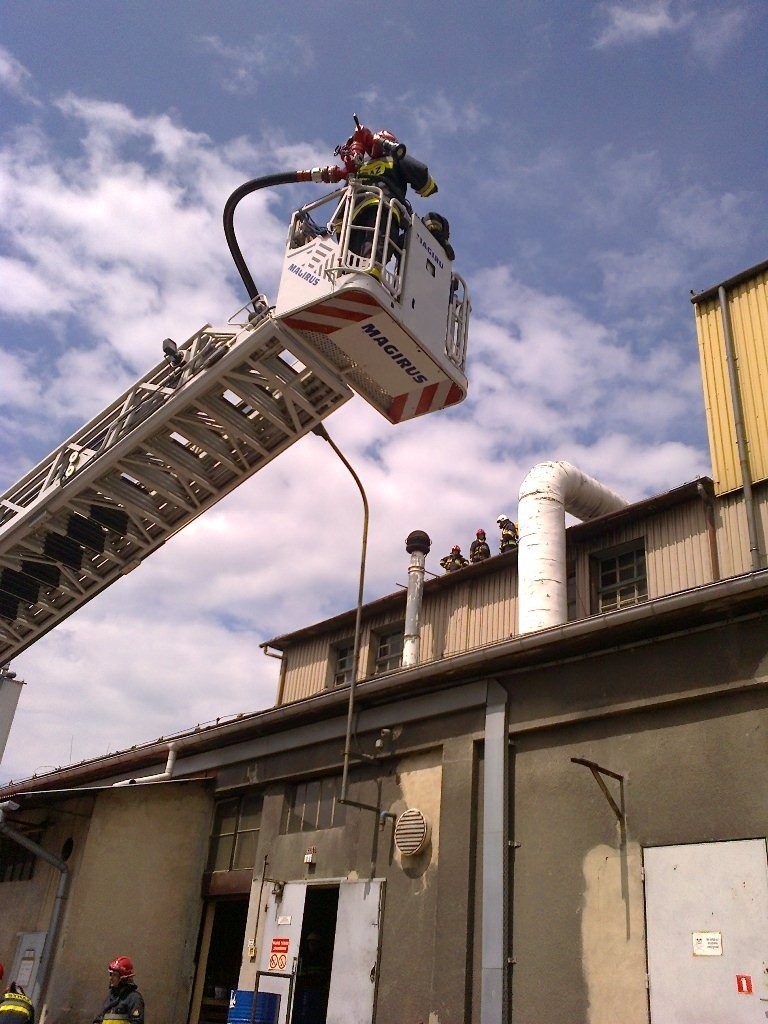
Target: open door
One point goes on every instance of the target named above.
(280, 945)
(319, 952)
(355, 953)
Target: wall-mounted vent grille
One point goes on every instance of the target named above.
(411, 832)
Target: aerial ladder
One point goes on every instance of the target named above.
(390, 325)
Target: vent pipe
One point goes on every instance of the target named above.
(418, 546)
(162, 777)
(549, 491)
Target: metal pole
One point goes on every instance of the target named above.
(322, 432)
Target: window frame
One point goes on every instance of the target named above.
(242, 835)
(313, 805)
(637, 582)
(340, 651)
(17, 862)
(381, 662)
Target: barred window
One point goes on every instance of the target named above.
(235, 833)
(620, 578)
(389, 651)
(315, 805)
(17, 863)
(343, 663)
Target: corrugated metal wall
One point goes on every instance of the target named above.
(676, 553)
(480, 612)
(484, 610)
(748, 306)
(733, 533)
(453, 620)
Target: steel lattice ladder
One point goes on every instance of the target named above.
(168, 449)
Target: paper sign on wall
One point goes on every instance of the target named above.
(707, 944)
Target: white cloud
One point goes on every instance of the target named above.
(628, 23)
(15, 79)
(241, 68)
(715, 32)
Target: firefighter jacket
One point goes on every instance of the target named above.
(508, 536)
(394, 176)
(453, 561)
(479, 551)
(17, 1008)
(123, 1003)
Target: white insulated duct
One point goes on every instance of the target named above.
(549, 491)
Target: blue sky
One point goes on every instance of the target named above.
(597, 161)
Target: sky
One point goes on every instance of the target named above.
(597, 161)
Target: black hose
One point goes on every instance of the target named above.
(286, 178)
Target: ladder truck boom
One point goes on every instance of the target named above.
(162, 454)
(391, 326)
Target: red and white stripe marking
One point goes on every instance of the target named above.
(334, 313)
(428, 399)
(337, 312)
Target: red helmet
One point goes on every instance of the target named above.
(381, 140)
(122, 965)
(455, 548)
(481, 533)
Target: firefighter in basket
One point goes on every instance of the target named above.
(378, 159)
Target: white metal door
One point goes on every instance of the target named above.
(280, 943)
(355, 953)
(707, 932)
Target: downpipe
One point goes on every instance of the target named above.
(41, 982)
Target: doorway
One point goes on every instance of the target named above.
(345, 918)
(313, 975)
(221, 951)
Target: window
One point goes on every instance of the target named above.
(315, 805)
(343, 663)
(17, 863)
(620, 578)
(389, 651)
(235, 833)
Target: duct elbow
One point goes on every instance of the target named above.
(549, 491)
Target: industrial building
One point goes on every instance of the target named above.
(543, 798)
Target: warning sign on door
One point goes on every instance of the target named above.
(278, 954)
(707, 944)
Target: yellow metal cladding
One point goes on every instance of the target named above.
(748, 307)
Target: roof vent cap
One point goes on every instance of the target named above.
(411, 832)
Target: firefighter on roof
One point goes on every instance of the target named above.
(478, 549)
(455, 560)
(509, 536)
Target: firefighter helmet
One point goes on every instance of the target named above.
(480, 533)
(383, 140)
(502, 519)
(122, 965)
(455, 548)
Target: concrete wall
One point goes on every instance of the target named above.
(427, 924)
(26, 906)
(136, 892)
(684, 724)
